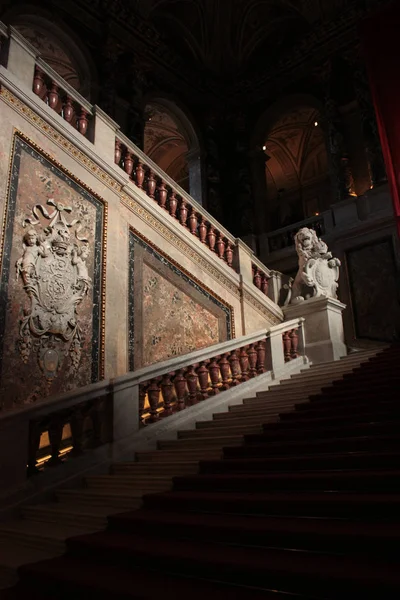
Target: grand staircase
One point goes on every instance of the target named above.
(293, 494)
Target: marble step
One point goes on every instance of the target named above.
(125, 483)
(222, 429)
(162, 468)
(92, 497)
(93, 517)
(47, 537)
(12, 556)
(169, 456)
(210, 442)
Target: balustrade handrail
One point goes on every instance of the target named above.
(298, 224)
(103, 388)
(175, 186)
(260, 265)
(3, 30)
(64, 85)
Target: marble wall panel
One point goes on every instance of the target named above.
(170, 313)
(51, 281)
(374, 286)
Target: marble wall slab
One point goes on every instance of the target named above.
(374, 282)
(51, 281)
(170, 314)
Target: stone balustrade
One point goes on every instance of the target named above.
(112, 410)
(261, 276)
(284, 237)
(23, 61)
(158, 186)
(61, 97)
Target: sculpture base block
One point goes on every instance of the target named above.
(323, 327)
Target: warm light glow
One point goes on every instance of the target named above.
(264, 148)
(316, 214)
(316, 123)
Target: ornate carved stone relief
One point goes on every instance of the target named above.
(52, 281)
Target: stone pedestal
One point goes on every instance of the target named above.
(323, 327)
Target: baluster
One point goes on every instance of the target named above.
(235, 370)
(264, 285)
(117, 152)
(260, 348)
(153, 393)
(167, 390)
(257, 279)
(193, 222)
(76, 424)
(202, 230)
(172, 204)
(211, 237)
(202, 373)
(229, 254)
(183, 213)
(128, 162)
(224, 368)
(294, 339)
(53, 96)
(213, 369)
(244, 364)
(286, 345)
(142, 400)
(220, 246)
(68, 109)
(162, 195)
(191, 380)
(139, 174)
(180, 389)
(55, 436)
(252, 356)
(38, 83)
(151, 184)
(83, 121)
(35, 433)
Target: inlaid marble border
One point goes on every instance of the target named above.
(99, 283)
(136, 238)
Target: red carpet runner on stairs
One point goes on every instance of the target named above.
(309, 509)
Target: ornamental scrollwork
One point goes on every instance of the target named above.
(54, 275)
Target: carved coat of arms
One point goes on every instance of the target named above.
(55, 277)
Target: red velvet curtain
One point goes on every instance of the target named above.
(381, 42)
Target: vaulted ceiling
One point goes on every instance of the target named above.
(227, 35)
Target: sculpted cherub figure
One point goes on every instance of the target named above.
(33, 248)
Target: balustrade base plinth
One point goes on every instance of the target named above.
(323, 327)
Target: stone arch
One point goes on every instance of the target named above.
(291, 142)
(171, 140)
(59, 46)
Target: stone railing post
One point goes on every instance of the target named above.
(125, 404)
(281, 336)
(243, 261)
(105, 130)
(21, 57)
(275, 286)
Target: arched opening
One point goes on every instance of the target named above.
(59, 50)
(171, 142)
(296, 167)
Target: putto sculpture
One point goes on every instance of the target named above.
(55, 278)
(318, 272)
